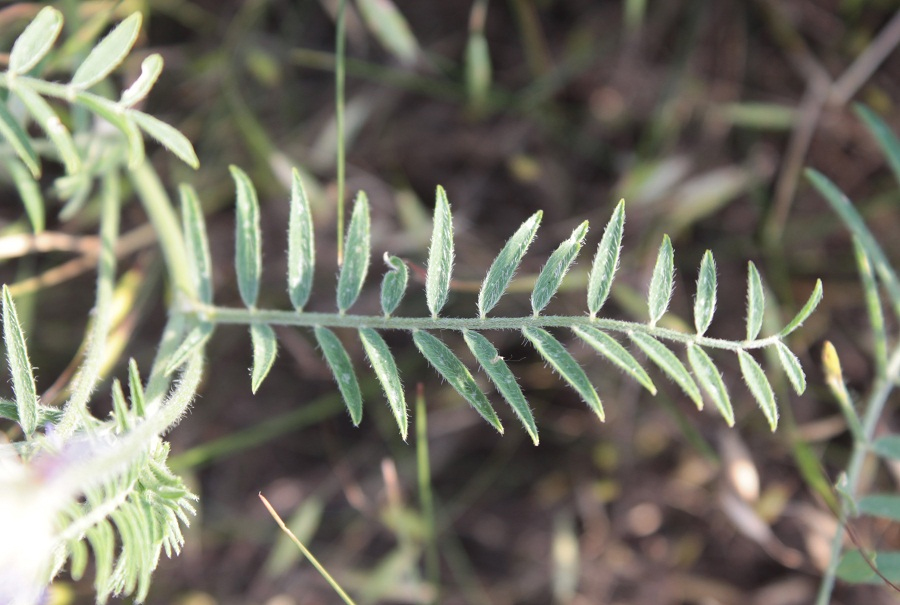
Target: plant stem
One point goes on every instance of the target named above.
(340, 51)
(426, 501)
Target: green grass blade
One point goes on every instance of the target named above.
(792, 367)
(440, 255)
(606, 260)
(756, 302)
(18, 139)
(565, 365)
(356, 255)
(705, 301)
(886, 506)
(265, 348)
(669, 364)
(198, 259)
(36, 41)
(29, 192)
(887, 140)
(135, 389)
(873, 307)
(814, 299)
(555, 270)
(301, 245)
(504, 266)
(167, 136)
(759, 387)
(50, 123)
(151, 67)
(454, 372)
(478, 70)
(248, 249)
(710, 379)
(19, 366)
(391, 29)
(108, 53)
(393, 286)
(342, 370)
(502, 377)
(388, 375)
(610, 348)
(662, 281)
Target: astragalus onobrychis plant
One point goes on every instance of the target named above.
(73, 482)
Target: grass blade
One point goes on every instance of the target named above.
(167, 136)
(661, 282)
(388, 375)
(667, 361)
(342, 370)
(887, 140)
(393, 286)
(36, 41)
(18, 139)
(610, 348)
(265, 348)
(555, 270)
(705, 302)
(248, 250)
(565, 365)
(356, 255)
(108, 53)
(391, 29)
(440, 255)
(756, 302)
(19, 366)
(454, 372)
(301, 245)
(502, 377)
(151, 67)
(478, 70)
(814, 299)
(50, 123)
(711, 380)
(504, 266)
(792, 367)
(198, 260)
(873, 307)
(606, 260)
(759, 387)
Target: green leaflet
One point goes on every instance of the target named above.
(502, 377)
(814, 299)
(45, 415)
(19, 366)
(661, 282)
(192, 344)
(301, 245)
(390, 28)
(452, 369)
(555, 270)
(887, 447)
(887, 140)
(111, 112)
(18, 139)
(356, 255)
(668, 363)
(135, 389)
(886, 506)
(198, 259)
(36, 41)
(29, 192)
(248, 252)
(705, 300)
(342, 370)
(265, 348)
(120, 408)
(792, 367)
(565, 365)
(610, 348)
(504, 266)
(386, 370)
(440, 255)
(151, 67)
(50, 123)
(108, 53)
(759, 387)
(711, 380)
(167, 136)
(606, 260)
(857, 569)
(756, 302)
(393, 286)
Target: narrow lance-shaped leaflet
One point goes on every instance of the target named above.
(551, 276)
(356, 255)
(705, 301)
(711, 380)
(388, 375)
(248, 249)
(606, 260)
(661, 282)
(301, 245)
(440, 255)
(504, 266)
(342, 370)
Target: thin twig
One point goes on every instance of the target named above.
(859, 72)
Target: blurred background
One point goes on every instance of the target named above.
(700, 114)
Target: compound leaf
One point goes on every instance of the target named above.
(248, 249)
(265, 348)
(19, 366)
(565, 365)
(756, 302)
(454, 372)
(393, 286)
(606, 260)
(342, 369)
(711, 380)
(705, 301)
(440, 255)
(108, 53)
(759, 387)
(301, 245)
(504, 266)
(555, 270)
(388, 375)
(36, 41)
(669, 364)
(356, 255)
(662, 281)
(610, 348)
